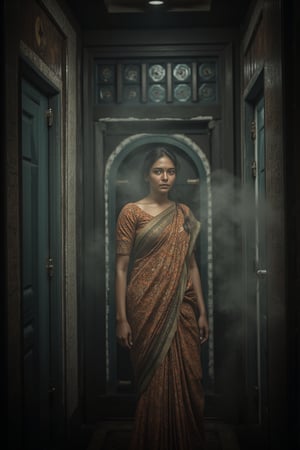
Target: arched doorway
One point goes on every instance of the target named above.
(122, 185)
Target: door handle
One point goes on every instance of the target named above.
(261, 273)
(50, 267)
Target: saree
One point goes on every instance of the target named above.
(162, 312)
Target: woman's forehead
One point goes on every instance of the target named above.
(164, 161)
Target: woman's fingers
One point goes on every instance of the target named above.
(130, 341)
(203, 334)
(124, 335)
(125, 341)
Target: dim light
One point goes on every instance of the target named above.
(155, 2)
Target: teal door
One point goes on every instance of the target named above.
(256, 270)
(35, 282)
(260, 257)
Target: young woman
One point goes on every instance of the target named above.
(161, 316)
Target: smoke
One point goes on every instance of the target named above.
(241, 221)
(236, 217)
(130, 184)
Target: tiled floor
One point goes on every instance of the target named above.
(115, 436)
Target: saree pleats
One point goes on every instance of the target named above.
(169, 414)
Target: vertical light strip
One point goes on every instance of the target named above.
(119, 84)
(194, 82)
(144, 83)
(169, 83)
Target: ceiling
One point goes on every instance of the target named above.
(137, 14)
(130, 6)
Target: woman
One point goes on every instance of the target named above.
(160, 312)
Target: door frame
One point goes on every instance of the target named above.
(56, 355)
(255, 406)
(197, 156)
(100, 400)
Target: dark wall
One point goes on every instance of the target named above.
(291, 69)
(269, 58)
(101, 139)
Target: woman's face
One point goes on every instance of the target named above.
(162, 175)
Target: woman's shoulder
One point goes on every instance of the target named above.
(184, 208)
(130, 209)
(187, 210)
(128, 205)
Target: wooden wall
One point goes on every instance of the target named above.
(291, 67)
(41, 43)
(262, 56)
(223, 398)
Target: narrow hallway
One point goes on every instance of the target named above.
(88, 86)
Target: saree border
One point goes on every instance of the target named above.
(163, 340)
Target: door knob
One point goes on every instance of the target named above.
(261, 272)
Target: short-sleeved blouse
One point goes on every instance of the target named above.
(131, 219)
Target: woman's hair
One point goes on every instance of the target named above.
(153, 155)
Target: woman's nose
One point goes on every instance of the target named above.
(165, 175)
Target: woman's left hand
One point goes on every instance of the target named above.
(203, 328)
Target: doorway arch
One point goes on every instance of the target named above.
(194, 191)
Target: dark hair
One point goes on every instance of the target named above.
(154, 154)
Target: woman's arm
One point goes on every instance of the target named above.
(196, 280)
(123, 330)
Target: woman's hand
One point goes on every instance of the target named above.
(203, 328)
(124, 335)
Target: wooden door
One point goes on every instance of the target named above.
(40, 294)
(256, 271)
(260, 257)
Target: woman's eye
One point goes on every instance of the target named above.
(160, 171)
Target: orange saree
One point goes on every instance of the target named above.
(162, 312)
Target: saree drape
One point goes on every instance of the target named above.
(162, 312)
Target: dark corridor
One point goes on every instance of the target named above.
(217, 81)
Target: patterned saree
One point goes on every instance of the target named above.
(162, 311)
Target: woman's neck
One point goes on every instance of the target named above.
(157, 199)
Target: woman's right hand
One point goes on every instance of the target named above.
(124, 334)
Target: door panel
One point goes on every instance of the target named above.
(35, 251)
(255, 253)
(260, 257)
